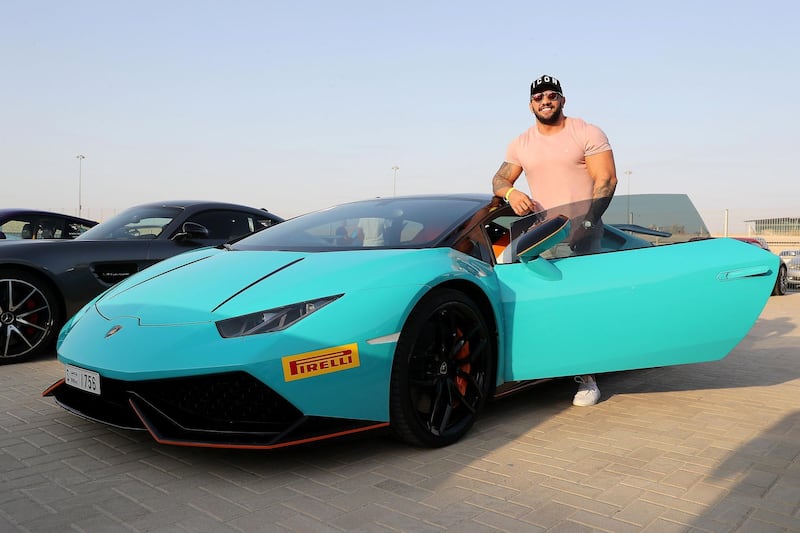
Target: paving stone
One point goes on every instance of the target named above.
(497, 505)
(493, 521)
(549, 515)
(591, 521)
(359, 498)
(270, 519)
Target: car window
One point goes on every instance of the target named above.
(658, 220)
(18, 228)
(136, 223)
(50, 228)
(36, 226)
(229, 224)
(74, 229)
(145, 228)
(670, 213)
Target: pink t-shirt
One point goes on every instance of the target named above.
(555, 165)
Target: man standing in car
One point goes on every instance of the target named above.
(565, 160)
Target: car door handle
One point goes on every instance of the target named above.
(749, 272)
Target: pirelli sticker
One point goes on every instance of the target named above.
(310, 364)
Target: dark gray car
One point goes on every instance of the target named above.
(44, 282)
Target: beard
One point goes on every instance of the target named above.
(553, 119)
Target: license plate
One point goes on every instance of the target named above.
(85, 380)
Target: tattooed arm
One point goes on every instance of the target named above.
(503, 186)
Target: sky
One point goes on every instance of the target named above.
(298, 105)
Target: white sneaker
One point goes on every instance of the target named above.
(588, 393)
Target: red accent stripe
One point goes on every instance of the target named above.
(195, 444)
(49, 390)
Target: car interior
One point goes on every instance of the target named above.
(27, 231)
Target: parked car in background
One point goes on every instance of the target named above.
(43, 282)
(781, 282)
(787, 255)
(793, 272)
(21, 224)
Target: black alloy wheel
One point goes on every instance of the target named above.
(443, 370)
(29, 316)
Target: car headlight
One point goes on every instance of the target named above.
(272, 319)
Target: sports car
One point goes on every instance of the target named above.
(43, 282)
(304, 331)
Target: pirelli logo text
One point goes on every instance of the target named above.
(310, 364)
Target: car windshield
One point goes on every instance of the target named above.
(133, 223)
(398, 222)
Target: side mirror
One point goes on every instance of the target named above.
(193, 230)
(542, 237)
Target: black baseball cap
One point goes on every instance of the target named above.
(546, 83)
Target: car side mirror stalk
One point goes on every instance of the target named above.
(192, 230)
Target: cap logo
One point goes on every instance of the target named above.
(545, 82)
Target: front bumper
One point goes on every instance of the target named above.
(225, 410)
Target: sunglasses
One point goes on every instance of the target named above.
(551, 95)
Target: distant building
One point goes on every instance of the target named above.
(774, 226)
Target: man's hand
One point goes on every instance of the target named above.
(521, 203)
(503, 186)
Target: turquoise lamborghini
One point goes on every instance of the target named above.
(407, 313)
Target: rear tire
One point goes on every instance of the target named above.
(30, 317)
(442, 371)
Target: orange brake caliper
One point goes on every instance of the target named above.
(463, 353)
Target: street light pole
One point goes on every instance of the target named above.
(80, 159)
(630, 215)
(395, 168)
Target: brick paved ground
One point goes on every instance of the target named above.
(710, 447)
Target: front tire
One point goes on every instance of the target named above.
(442, 371)
(29, 316)
(782, 282)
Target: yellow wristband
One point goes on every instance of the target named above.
(509, 192)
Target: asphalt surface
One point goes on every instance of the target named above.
(706, 447)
